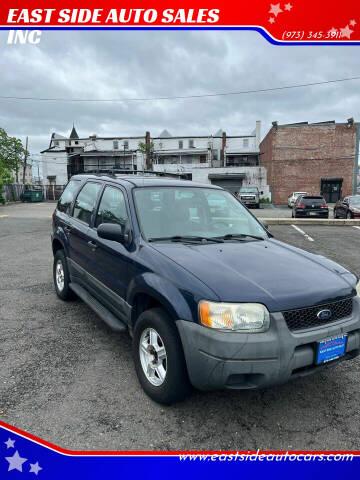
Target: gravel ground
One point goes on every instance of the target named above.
(68, 379)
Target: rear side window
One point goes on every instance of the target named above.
(112, 208)
(85, 202)
(68, 195)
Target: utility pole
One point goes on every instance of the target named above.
(25, 158)
(124, 156)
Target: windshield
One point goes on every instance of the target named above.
(193, 212)
(355, 201)
(248, 190)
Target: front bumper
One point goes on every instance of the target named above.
(218, 359)
(249, 201)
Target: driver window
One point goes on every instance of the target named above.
(112, 208)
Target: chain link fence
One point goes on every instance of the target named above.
(15, 192)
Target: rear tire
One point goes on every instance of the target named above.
(61, 277)
(348, 216)
(159, 358)
(335, 214)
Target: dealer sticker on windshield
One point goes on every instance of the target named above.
(331, 349)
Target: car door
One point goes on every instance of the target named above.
(341, 208)
(110, 260)
(345, 206)
(81, 216)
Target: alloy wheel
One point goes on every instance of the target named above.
(153, 356)
(59, 276)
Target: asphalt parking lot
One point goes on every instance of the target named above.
(68, 379)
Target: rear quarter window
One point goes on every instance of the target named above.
(68, 195)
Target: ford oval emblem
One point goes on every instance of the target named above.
(324, 314)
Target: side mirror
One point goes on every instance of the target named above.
(114, 232)
(264, 224)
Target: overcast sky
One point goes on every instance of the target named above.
(120, 64)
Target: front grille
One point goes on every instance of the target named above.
(307, 317)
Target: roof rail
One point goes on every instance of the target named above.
(124, 172)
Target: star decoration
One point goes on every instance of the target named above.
(352, 23)
(346, 32)
(288, 7)
(271, 19)
(275, 9)
(15, 462)
(10, 443)
(35, 468)
(333, 31)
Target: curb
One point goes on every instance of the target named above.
(311, 221)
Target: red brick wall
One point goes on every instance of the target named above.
(298, 157)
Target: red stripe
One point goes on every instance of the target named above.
(64, 451)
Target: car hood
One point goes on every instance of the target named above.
(270, 272)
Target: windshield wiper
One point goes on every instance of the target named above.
(240, 236)
(187, 238)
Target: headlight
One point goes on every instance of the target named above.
(249, 317)
(358, 289)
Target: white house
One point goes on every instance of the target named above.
(229, 161)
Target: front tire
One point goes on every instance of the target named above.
(159, 358)
(335, 214)
(348, 216)
(61, 277)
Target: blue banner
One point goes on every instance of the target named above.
(25, 456)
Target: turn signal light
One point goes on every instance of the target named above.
(324, 206)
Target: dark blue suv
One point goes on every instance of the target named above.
(210, 298)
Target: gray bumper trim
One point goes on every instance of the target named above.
(218, 359)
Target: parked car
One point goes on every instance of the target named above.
(310, 206)
(209, 296)
(348, 207)
(249, 196)
(292, 198)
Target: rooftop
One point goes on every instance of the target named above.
(146, 181)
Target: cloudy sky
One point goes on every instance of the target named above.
(132, 64)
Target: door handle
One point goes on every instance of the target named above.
(92, 245)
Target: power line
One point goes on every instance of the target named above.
(183, 97)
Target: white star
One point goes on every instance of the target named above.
(271, 19)
(35, 468)
(10, 443)
(346, 32)
(275, 9)
(352, 23)
(15, 462)
(288, 7)
(333, 31)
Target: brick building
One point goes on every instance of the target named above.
(318, 158)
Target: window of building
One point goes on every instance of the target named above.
(85, 202)
(126, 144)
(160, 145)
(191, 143)
(181, 144)
(56, 143)
(68, 195)
(115, 144)
(112, 208)
(76, 142)
(245, 142)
